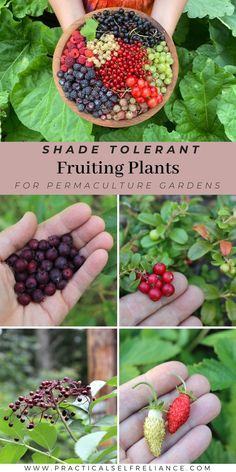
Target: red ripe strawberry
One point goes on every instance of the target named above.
(179, 409)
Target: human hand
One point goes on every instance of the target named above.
(167, 13)
(138, 309)
(191, 439)
(88, 235)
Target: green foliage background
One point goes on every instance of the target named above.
(22, 369)
(210, 353)
(202, 107)
(179, 245)
(98, 305)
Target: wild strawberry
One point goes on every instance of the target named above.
(179, 409)
(154, 424)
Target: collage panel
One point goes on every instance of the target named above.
(59, 260)
(176, 401)
(58, 396)
(177, 260)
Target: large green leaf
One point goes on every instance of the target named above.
(230, 20)
(128, 372)
(159, 133)
(226, 111)
(219, 376)
(17, 430)
(3, 106)
(138, 351)
(226, 351)
(211, 8)
(12, 453)
(88, 444)
(39, 106)
(45, 435)
(196, 114)
(223, 47)
(22, 8)
(20, 43)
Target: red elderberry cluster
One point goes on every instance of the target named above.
(45, 402)
(158, 284)
(42, 267)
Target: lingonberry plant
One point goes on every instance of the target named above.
(192, 235)
(59, 409)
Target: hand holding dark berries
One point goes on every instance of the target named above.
(87, 232)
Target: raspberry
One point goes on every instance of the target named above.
(69, 61)
(74, 53)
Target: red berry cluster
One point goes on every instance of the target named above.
(157, 284)
(44, 403)
(129, 61)
(42, 267)
(144, 92)
(75, 52)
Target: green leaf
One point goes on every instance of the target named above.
(12, 453)
(208, 313)
(196, 114)
(157, 133)
(147, 242)
(219, 376)
(215, 454)
(42, 459)
(226, 111)
(211, 8)
(45, 435)
(88, 444)
(39, 106)
(223, 47)
(150, 219)
(21, 8)
(89, 29)
(212, 339)
(211, 292)
(16, 131)
(199, 249)
(103, 398)
(230, 306)
(138, 351)
(3, 106)
(128, 372)
(112, 382)
(17, 430)
(178, 235)
(226, 351)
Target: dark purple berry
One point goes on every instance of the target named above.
(6, 418)
(42, 277)
(22, 420)
(11, 260)
(51, 254)
(31, 283)
(10, 425)
(19, 287)
(16, 439)
(61, 284)
(32, 267)
(39, 256)
(20, 265)
(64, 249)
(67, 273)
(78, 261)
(24, 299)
(46, 265)
(67, 239)
(60, 263)
(21, 276)
(55, 275)
(73, 252)
(30, 426)
(33, 244)
(54, 241)
(37, 296)
(27, 254)
(50, 289)
(43, 245)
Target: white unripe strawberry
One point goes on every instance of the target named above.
(154, 431)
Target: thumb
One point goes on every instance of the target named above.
(14, 238)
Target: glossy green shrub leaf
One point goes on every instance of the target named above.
(88, 444)
(45, 435)
(12, 453)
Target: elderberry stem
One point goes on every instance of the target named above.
(65, 424)
(34, 449)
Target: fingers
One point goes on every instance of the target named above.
(84, 277)
(137, 307)
(176, 312)
(65, 222)
(132, 400)
(192, 321)
(103, 240)
(133, 425)
(188, 449)
(15, 237)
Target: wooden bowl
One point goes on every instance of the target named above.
(111, 123)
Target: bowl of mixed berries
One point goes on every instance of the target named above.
(115, 67)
